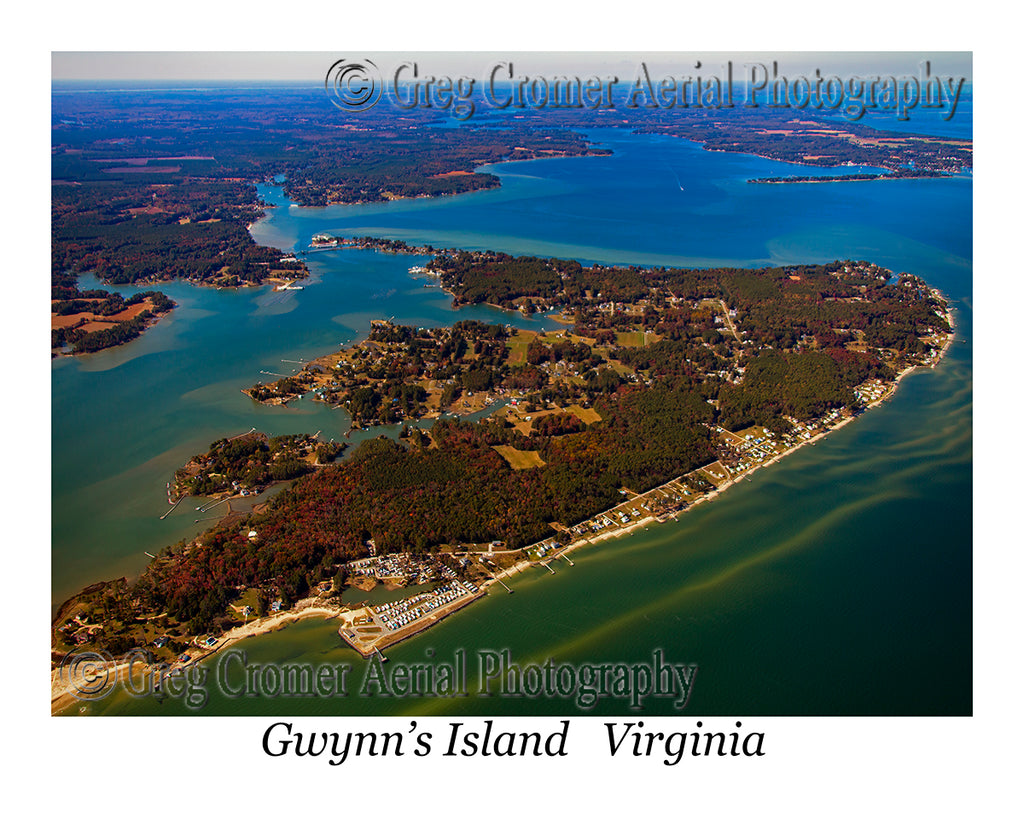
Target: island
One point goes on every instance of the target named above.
(656, 390)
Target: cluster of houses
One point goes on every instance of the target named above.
(753, 449)
(397, 566)
(400, 567)
(393, 616)
(78, 630)
(611, 519)
(547, 546)
(658, 502)
(806, 431)
(245, 491)
(326, 240)
(871, 391)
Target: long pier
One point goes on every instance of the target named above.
(179, 500)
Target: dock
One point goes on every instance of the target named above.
(207, 508)
(179, 500)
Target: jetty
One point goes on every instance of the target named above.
(179, 500)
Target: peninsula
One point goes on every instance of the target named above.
(661, 388)
(96, 319)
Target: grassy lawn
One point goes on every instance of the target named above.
(248, 598)
(517, 351)
(519, 459)
(587, 416)
(714, 473)
(632, 339)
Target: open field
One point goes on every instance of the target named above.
(519, 459)
(587, 415)
(517, 345)
(631, 339)
(95, 322)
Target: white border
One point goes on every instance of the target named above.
(831, 767)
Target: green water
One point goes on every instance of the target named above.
(837, 581)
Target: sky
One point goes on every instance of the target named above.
(311, 66)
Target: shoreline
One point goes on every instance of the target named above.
(643, 522)
(62, 696)
(784, 180)
(61, 690)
